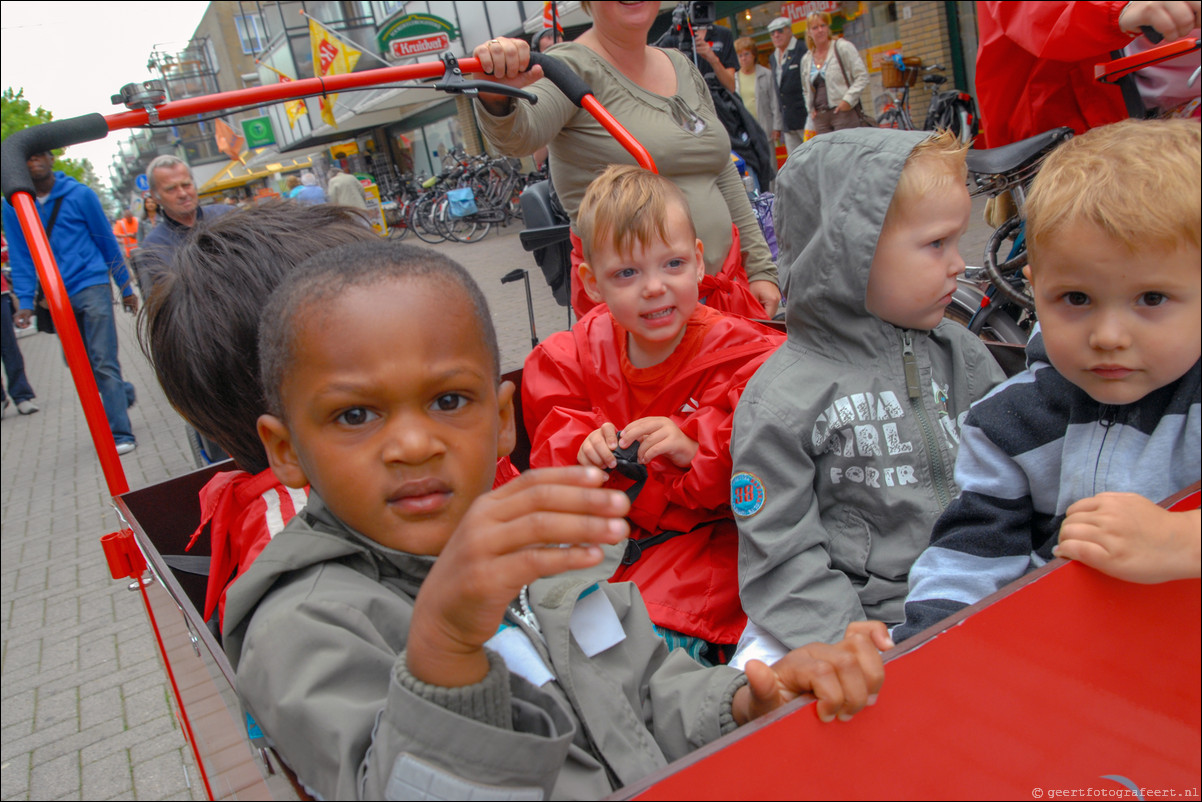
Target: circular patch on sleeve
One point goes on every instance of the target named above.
(746, 494)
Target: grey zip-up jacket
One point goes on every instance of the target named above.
(316, 630)
(845, 440)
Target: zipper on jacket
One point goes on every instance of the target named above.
(940, 479)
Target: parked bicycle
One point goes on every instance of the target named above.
(950, 109)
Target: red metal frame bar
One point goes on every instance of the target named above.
(73, 348)
(1110, 72)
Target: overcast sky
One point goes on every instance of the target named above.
(71, 57)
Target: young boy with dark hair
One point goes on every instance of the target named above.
(200, 330)
(845, 440)
(652, 368)
(1069, 457)
(397, 640)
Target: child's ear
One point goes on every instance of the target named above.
(1027, 273)
(277, 442)
(588, 280)
(507, 434)
(700, 260)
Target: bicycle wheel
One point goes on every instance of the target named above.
(424, 226)
(468, 228)
(997, 327)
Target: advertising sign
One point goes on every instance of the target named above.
(416, 35)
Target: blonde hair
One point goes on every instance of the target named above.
(628, 204)
(745, 43)
(1138, 181)
(822, 16)
(945, 153)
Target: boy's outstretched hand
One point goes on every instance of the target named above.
(1131, 538)
(659, 437)
(543, 523)
(844, 677)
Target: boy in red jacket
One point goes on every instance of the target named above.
(653, 369)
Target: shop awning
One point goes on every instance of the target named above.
(257, 163)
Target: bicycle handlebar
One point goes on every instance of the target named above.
(14, 175)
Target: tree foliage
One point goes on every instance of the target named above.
(17, 114)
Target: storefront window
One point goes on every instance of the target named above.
(428, 144)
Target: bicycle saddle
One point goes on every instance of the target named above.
(937, 80)
(1016, 155)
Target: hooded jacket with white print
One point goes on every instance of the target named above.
(845, 439)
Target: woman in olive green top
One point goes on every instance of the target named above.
(659, 96)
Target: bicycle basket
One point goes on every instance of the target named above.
(893, 78)
(463, 202)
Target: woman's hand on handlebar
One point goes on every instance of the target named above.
(1172, 19)
(505, 61)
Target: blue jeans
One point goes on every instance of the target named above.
(14, 364)
(94, 314)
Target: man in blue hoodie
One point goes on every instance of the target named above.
(87, 252)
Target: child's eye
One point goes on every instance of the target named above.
(1076, 298)
(356, 416)
(449, 402)
(676, 263)
(938, 243)
(1153, 298)
(626, 272)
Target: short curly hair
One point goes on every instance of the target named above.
(200, 325)
(329, 275)
(1136, 181)
(627, 204)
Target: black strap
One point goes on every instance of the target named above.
(842, 69)
(1130, 90)
(53, 216)
(635, 548)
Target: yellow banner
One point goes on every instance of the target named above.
(294, 108)
(330, 57)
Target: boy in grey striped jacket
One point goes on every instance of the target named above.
(1069, 457)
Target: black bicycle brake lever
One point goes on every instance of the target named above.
(453, 82)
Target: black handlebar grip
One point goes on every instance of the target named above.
(1152, 34)
(571, 84)
(14, 175)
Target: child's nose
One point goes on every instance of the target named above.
(409, 441)
(654, 285)
(1109, 333)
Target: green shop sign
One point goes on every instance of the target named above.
(258, 132)
(416, 35)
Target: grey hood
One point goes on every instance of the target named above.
(832, 196)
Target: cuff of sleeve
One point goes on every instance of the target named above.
(488, 701)
(510, 105)
(726, 716)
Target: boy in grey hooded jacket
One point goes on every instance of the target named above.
(845, 440)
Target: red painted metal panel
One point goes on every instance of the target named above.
(1073, 678)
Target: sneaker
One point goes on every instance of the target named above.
(27, 407)
(125, 448)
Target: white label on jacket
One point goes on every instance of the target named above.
(519, 655)
(595, 624)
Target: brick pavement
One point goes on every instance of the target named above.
(85, 703)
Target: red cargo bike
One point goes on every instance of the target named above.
(1044, 688)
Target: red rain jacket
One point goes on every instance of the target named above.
(573, 382)
(1035, 67)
